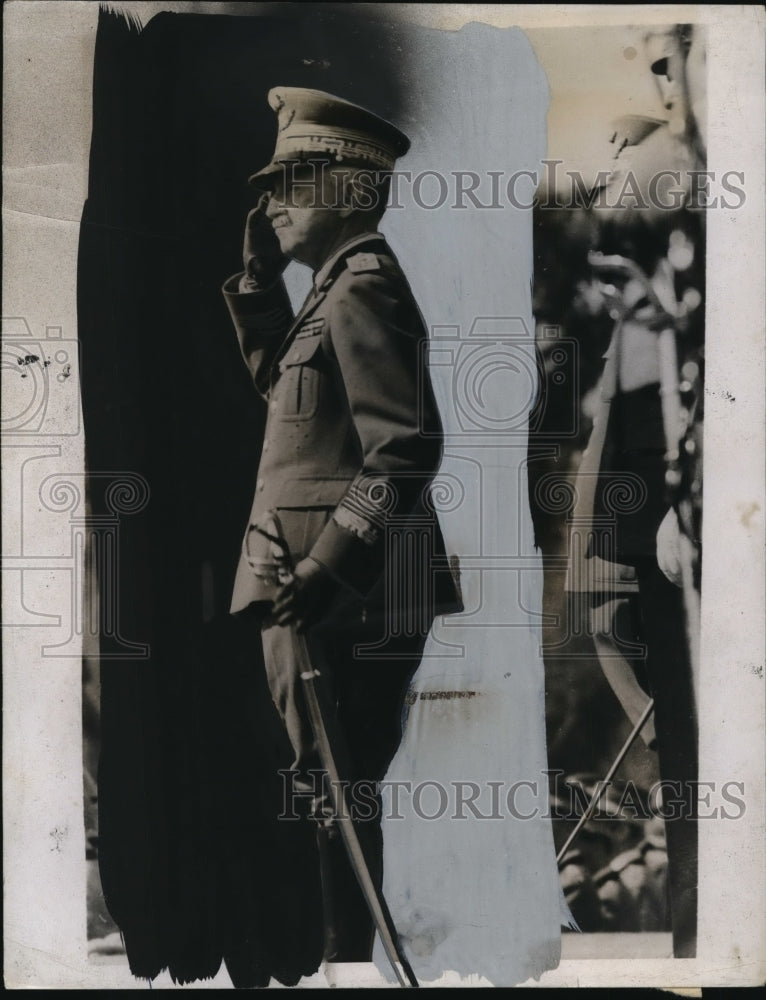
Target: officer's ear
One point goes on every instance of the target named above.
(345, 200)
(365, 191)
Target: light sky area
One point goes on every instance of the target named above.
(596, 75)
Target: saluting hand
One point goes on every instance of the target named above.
(307, 597)
(261, 254)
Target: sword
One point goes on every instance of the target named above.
(321, 721)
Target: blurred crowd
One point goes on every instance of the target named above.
(614, 875)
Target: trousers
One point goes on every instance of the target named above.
(365, 691)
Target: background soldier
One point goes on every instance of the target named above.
(636, 481)
(644, 421)
(352, 442)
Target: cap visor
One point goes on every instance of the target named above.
(264, 179)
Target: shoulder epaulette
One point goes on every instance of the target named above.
(359, 263)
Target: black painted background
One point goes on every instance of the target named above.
(194, 867)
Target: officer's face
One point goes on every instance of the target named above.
(307, 214)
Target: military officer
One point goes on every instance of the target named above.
(352, 441)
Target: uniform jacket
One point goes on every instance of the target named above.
(353, 438)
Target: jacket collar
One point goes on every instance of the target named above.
(326, 275)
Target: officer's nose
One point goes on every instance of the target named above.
(273, 207)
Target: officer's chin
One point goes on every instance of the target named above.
(287, 244)
(284, 235)
(296, 251)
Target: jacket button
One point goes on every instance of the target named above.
(273, 406)
(296, 355)
(260, 484)
(266, 444)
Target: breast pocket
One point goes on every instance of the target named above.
(300, 379)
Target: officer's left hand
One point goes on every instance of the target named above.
(307, 597)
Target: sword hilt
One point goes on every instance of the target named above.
(279, 568)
